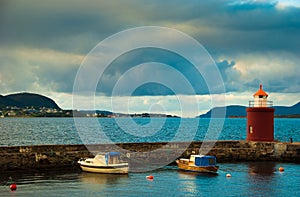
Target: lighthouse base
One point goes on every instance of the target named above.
(260, 124)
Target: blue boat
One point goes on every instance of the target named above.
(199, 163)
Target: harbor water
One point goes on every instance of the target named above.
(37, 131)
(247, 179)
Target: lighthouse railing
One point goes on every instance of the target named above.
(260, 103)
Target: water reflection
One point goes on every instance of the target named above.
(195, 184)
(195, 175)
(98, 181)
(248, 179)
(29, 177)
(98, 178)
(262, 168)
(261, 178)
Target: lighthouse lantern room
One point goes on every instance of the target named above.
(260, 118)
(260, 98)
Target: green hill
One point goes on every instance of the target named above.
(23, 100)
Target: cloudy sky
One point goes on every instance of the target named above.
(43, 45)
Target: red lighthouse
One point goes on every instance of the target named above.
(260, 118)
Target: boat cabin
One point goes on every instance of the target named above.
(112, 158)
(203, 160)
(105, 158)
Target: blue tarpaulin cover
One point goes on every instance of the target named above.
(113, 153)
(205, 161)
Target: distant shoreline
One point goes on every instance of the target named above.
(230, 117)
(30, 105)
(276, 116)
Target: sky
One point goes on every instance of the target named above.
(43, 45)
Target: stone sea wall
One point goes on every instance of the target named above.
(66, 156)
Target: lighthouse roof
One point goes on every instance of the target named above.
(260, 92)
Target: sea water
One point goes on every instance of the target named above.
(36, 131)
(247, 179)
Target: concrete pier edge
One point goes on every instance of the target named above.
(41, 157)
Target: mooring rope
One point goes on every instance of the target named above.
(6, 183)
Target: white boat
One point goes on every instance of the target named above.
(109, 162)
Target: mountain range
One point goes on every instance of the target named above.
(240, 111)
(24, 100)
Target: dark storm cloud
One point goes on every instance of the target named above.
(249, 27)
(228, 29)
(77, 26)
(37, 70)
(143, 56)
(57, 25)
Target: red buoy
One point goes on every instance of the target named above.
(281, 169)
(13, 187)
(150, 177)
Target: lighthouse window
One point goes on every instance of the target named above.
(250, 129)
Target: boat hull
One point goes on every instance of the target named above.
(200, 169)
(115, 169)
